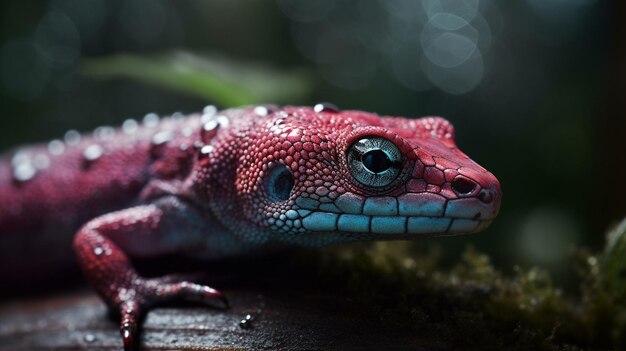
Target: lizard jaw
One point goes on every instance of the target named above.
(411, 213)
(359, 223)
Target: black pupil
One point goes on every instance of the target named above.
(376, 161)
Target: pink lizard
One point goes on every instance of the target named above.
(222, 184)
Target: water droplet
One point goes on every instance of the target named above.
(187, 131)
(41, 161)
(183, 147)
(198, 144)
(162, 137)
(98, 251)
(261, 111)
(223, 120)
(130, 126)
(72, 137)
(93, 152)
(325, 107)
(210, 126)
(159, 140)
(90, 338)
(209, 110)
(209, 129)
(177, 116)
(246, 323)
(104, 133)
(151, 120)
(56, 147)
(20, 157)
(206, 149)
(24, 172)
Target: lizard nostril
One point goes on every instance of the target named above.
(463, 186)
(485, 196)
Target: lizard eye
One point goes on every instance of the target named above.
(374, 161)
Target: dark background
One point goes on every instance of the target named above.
(533, 87)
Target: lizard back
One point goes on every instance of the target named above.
(47, 191)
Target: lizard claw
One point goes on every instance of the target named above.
(130, 313)
(128, 332)
(135, 301)
(192, 292)
(225, 301)
(216, 295)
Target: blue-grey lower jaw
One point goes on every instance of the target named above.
(359, 223)
(411, 213)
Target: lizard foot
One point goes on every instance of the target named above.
(134, 302)
(109, 270)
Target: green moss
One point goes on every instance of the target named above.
(476, 306)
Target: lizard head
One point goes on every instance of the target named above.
(316, 176)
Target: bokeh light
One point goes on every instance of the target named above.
(57, 40)
(426, 44)
(546, 235)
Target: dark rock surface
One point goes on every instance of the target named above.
(279, 320)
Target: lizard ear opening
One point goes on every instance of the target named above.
(278, 183)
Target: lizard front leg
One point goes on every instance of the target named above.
(104, 245)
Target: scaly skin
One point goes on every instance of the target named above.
(238, 182)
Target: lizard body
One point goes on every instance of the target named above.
(223, 184)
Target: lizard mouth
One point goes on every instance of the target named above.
(359, 223)
(411, 213)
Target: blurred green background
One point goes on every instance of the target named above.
(529, 85)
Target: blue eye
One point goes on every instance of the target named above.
(374, 161)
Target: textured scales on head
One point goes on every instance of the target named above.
(315, 176)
